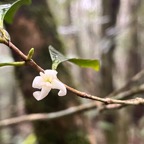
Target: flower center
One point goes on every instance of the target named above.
(48, 79)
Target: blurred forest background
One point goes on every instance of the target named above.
(108, 30)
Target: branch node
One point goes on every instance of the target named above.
(108, 101)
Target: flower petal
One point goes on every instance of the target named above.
(37, 82)
(51, 73)
(39, 95)
(56, 84)
(42, 75)
(46, 81)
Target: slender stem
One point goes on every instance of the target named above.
(33, 64)
(109, 103)
(47, 116)
(21, 63)
(73, 110)
(23, 56)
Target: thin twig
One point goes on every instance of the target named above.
(57, 115)
(30, 62)
(127, 94)
(134, 79)
(74, 110)
(23, 56)
(47, 116)
(106, 100)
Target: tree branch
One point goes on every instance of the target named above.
(60, 114)
(33, 64)
(77, 109)
(134, 79)
(48, 116)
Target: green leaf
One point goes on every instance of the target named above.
(8, 17)
(86, 63)
(56, 57)
(30, 54)
(3, 10)
(20, 63)
(30, 139)
(7, 11)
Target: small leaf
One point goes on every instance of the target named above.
(56, 57)
(86, 63)
(20, 63)
(8, 17)
(3, 10)
(30, 53)
(30, 139)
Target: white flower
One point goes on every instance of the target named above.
(46, 81)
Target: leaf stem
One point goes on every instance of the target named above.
(21, 63)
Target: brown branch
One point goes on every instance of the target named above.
(30, 62)
(47, 116)
(108, 103)
(23, 56)
(74, 110)
(127, 94)
(106, 100)
(134, 79)
(60, 114)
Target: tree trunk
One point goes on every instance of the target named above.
(34, 26)
(127, 58)
(106, 86)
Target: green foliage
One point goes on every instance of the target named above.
(21, 63)
(31, 139)
(3, 10)
(30, 53)
(86, 63)
(7, 11)
(58, 58)
(13, 9)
